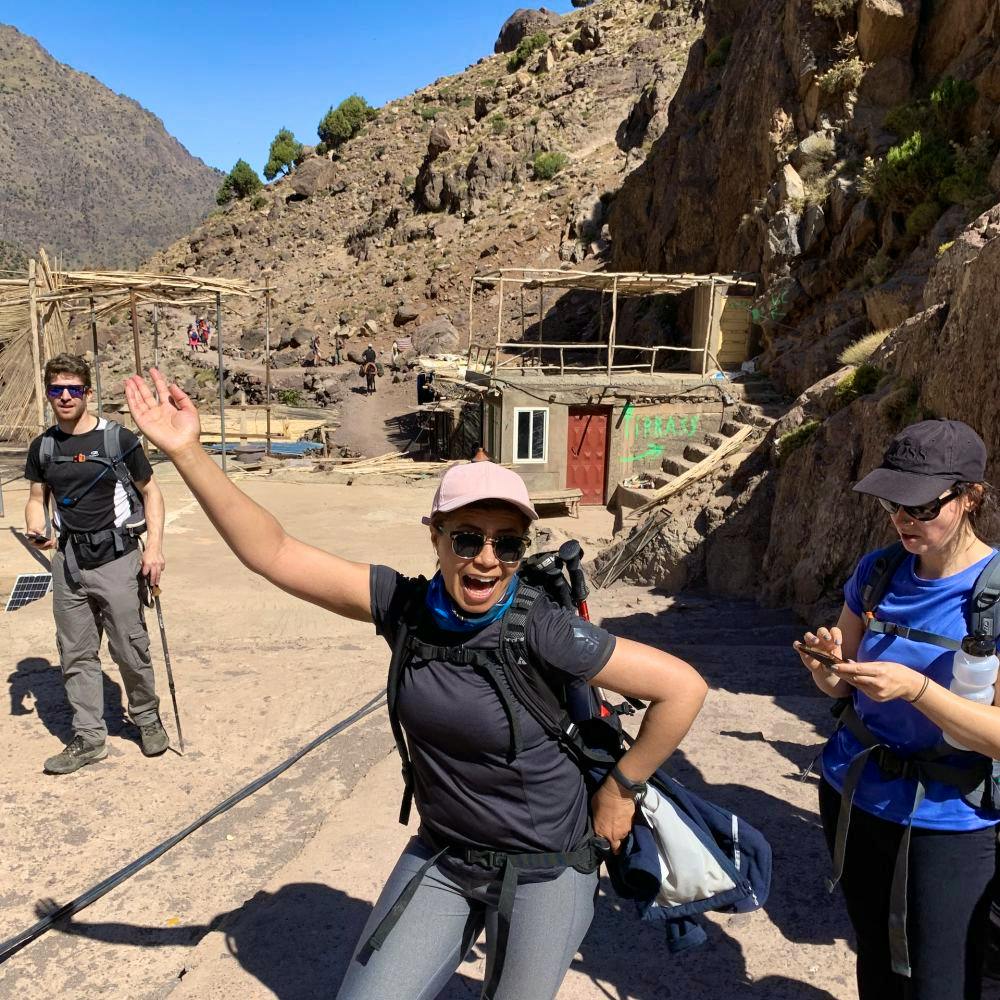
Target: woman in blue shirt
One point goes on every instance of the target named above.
(917, 866)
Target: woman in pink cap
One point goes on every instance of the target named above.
(493, 790)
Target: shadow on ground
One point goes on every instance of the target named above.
(296, 941)
(36, 687)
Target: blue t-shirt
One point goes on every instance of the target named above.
(938, 606)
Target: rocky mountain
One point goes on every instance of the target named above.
(88, 173)
(510, 163)
(845, 150)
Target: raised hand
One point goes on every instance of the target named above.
(172, 424)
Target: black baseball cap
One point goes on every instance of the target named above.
(925, 460)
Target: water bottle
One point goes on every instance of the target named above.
(974, 675)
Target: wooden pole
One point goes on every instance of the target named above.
(97, 357)
(267, 364)
(711, 325)
(472, 298)
(36, 360)
(613, 329)
(222, 393)
(500, 313)
(156, 335)
(135, 332)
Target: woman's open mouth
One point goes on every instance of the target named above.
(478, 589)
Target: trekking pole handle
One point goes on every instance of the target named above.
(571, 553)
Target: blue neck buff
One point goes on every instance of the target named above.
(446, 616)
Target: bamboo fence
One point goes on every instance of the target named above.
(35, 311)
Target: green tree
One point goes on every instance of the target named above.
(284, 151)
(345, 121)
(241, 182)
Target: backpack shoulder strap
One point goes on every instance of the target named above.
(405, 606)
(983, 604)
(115, 455)
(46, 451)
(880, 575)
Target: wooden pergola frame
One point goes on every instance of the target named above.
(633, 284)
(34, 313)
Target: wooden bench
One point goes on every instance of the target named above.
(570, 499)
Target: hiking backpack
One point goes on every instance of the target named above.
(731, 858)
(114, 462)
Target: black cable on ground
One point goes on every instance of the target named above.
(16, 943)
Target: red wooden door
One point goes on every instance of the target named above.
(587, 461)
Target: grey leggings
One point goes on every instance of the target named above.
(443, 921)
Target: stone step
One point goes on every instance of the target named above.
(695, 452)
(731, 427)
(716, 440)
(675, 466)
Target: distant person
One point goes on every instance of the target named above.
(497, 794)
(194, 340)
(395, 352)
(336, 348)
(98, 568)
(314, 350)
(426, 393)
(204, 332)
(369, 354)
(911, 767)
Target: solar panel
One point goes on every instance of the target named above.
(28, 587)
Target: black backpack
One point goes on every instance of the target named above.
(114, 462)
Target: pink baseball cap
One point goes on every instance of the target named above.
(472, 482)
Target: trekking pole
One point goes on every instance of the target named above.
(155, 591)
(571, 554)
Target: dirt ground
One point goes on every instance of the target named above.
(267, 900)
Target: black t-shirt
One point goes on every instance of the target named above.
(465, 788)
(106, 505)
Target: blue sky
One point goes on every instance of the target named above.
(225, 76)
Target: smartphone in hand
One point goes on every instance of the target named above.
(35, 538)
(828, 660)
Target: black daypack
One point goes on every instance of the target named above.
(975, 776)
(113, 461)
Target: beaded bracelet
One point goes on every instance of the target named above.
(920, 693)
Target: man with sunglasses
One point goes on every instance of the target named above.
(97, 588)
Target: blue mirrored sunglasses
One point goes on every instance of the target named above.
(56, 391)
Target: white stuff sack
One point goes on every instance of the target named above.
(688, 872)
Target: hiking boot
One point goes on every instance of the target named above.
(154, 738)
(75, 755)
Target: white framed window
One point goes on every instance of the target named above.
(531, 434)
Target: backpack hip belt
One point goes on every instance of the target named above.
(585, 859)
(974, 782)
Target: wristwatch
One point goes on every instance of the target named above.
(636, 788)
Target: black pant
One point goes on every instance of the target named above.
(948, 901)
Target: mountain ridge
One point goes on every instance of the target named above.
(124, 186)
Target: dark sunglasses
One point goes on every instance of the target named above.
(924, 511)
(56, 391)
(468, 545)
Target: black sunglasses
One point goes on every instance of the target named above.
(924, 511)
(56, 391)
(468, 545)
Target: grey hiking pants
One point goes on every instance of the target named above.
(105, 601)
(443, 921)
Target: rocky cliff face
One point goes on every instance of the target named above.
(939, 362)
(845, 152)
(794, 151)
